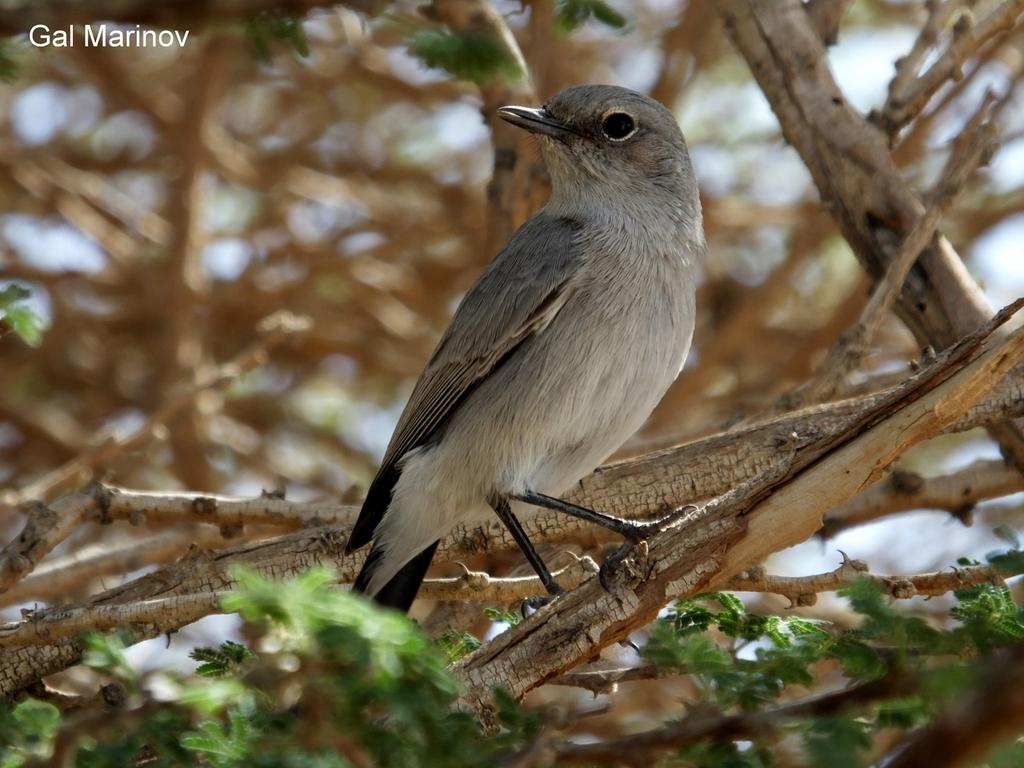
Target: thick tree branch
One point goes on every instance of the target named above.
(732, 532)
(642, 487)
(900, 491)
(145, 617)
(849, 160)
(686, 556)
(62, 578)
(972, 148)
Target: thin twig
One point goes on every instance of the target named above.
(482, 587)
(40, 628)
(973, 148)
(704, 723)
(803, 590)
(910, 92)
(272, 331)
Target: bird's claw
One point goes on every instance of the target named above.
(610, 566)
(536, 602)
(644, 531)
(636, 542)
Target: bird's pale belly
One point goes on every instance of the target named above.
(571, 399)
(560, 405)
(620, 401)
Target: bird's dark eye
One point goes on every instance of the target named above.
(618, 126)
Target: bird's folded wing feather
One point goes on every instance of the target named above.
(516, 297)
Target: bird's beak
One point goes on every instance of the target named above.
(535, 121)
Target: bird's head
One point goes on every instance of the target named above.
(602, 141)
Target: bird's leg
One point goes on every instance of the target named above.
(633, 532)
(504, 512)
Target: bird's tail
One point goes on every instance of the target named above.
(401, 589)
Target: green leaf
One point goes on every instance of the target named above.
(457, 644)
(222, 747)
(571, 14)
(837, 742)
(12, 293)
(1009, 563)
(693, 654)
(989, 615)
(217, 662)
(214, 696)
(901, 713)
(269, 28)
(858, 659)
(25, 323)
(1007, 534)
(11, 53)
(479, 55)
(27, 732)
(503, 616)
(106, 652)
(870, 600)
(724, 754)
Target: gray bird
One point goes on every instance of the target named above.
(561, 349)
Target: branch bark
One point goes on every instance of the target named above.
(642, 488)
(974, 724)
(702, 724)
(766, 456)
(738, 529)
(849, 160)
(802, 590)
(956, 493)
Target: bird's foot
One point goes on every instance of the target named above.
(534, 603)
(624, 566)
(628, 564)
(643, 531)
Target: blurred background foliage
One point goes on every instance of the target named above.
(156, 204)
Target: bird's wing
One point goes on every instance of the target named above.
(516, 297)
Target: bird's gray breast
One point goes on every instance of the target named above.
(594, 375)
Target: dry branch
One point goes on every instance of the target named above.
(974, 723)
(703, 724)
(762, 455)
(859, 183)
(478, 586)
(642, 487)
(803, 590)
(518, 183)
(139, 617)
(909, 91)
(825, 16)
(956, 493)
(731, 533)
(972, 148)
(58, 579)
(272, 332)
